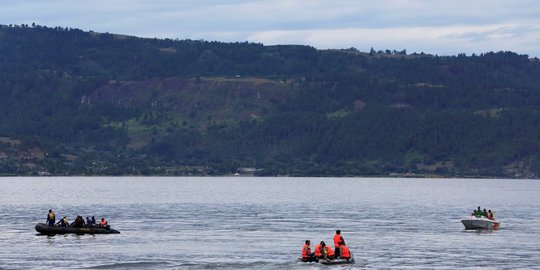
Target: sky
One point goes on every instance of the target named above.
(443, 27)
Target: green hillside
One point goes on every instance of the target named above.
(86, 103)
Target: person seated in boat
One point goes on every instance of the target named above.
(103, 223)
(90, 222)
(322, 251)
(478, 213)
(307, 255)
(319, 250)
(490, 215)
(345, 252)
(328, 253)
(63, 222)
(51, 218)
(484, 213)
(79, 222)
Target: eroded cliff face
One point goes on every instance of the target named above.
(201, 99)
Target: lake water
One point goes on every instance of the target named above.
(261, 223)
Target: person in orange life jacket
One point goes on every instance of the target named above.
(319, 250)
(51, 218)
(345, 252)
(307, 255)
(328, 252)
(338, 240)
(103, 223)
(322, 251)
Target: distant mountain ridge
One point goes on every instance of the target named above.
(86, 103)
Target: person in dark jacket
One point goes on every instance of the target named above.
(93, 222)
(79, 222)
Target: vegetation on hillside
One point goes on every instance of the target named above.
(86, 103)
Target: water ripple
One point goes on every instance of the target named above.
(261, 223)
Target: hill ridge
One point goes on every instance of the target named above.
(108, 104)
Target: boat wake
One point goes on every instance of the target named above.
(132, 265)
(195, 266)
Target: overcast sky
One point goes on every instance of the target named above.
(432, 26)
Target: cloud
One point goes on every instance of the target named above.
(440, 27)
(521, 37)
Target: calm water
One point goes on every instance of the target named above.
(261, 223)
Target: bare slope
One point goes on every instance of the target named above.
(190, 102)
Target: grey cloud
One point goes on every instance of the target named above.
(240, 20)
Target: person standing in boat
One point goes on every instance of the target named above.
(51, 218)
(338, 241)
(307, 255)
(485, 213)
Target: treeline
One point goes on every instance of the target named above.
(347, 113)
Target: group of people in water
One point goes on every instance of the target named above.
(324, 252)
(479, 213)
(79, 222)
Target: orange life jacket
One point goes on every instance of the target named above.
(306, 251)
(345, 253)
(329, 251)
(318, 250)
(103, 222)
(337, 240)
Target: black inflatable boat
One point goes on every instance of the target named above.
(46, 229)
(331, 262)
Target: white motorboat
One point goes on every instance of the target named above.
(481, 223)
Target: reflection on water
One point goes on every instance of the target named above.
(261, 223)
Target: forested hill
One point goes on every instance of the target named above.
(86, 103)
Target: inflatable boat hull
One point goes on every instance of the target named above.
(46, 229)
(331, 262)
